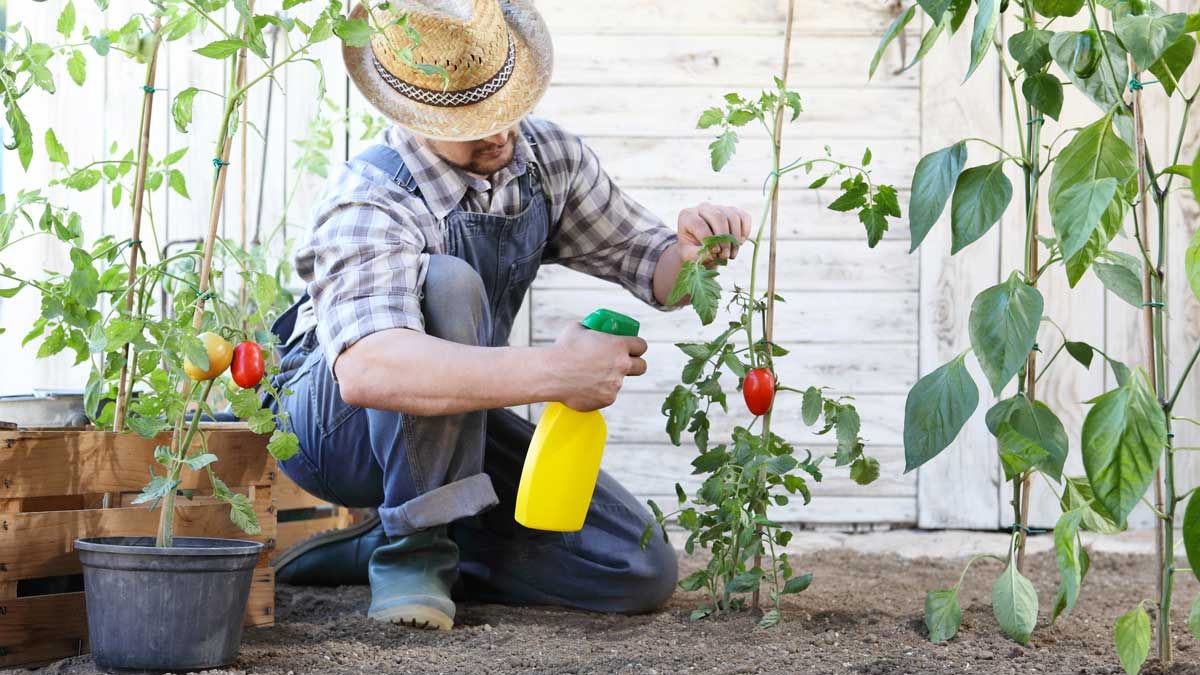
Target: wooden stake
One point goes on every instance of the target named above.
(139, 191)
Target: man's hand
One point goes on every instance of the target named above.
(707, 220)
(590, 367)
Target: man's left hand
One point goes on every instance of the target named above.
(707, 220)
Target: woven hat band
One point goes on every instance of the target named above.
(452, 99)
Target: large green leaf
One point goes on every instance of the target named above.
(937, 407)
(928, 41)
(1003, 325)
(895, 29)
(1195, 174)
(980, 198)
(1191, 262)
(1122, 275)
(1147, 36)
(1170, 67)
(1101, 88)
(1095, 153)
(1031, 49)
(1029, 436)
(697, 282)
(1044, 92)
(943, 615)
(936, 9)
(933, 182)
(1191, 532)
(1124, 434)
(1058, 7)
(1077, 494)
(1015, 603)
(1068, 553)
(1077, 212)
(1132, 637)
(987, 17)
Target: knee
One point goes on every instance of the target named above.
(652, 576)
(454, 303)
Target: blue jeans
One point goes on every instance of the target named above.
(463, 471)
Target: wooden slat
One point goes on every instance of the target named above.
(745, 62)
(958, 488)
(47, 463)
(52, 626)
(41, 544)
(288, 495)
(803, 266)
(293, 531)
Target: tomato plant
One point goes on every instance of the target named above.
(756, 468)
(1102, 174)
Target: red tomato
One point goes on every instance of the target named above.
(758, 389)
(247, 367)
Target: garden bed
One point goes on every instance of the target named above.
(861, 615)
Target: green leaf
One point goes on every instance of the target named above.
(700, 284)
(1124, 434)
(943, 616)
(936, 9)
(1031, 49)
(262, 421)
(1101, 88)
(146, 427)
(895, 29)
(220, 49)
(1191, 532)
(1081, 352)
(710, 118)
(936, 409)
(178, 183)
(1147, 36)
(980, 198)
(198, 462)
(1193, 618)
(1077, 494)
(181, 108)
(66, 20)
(174, 156)
(933, 182)
(1058, 7)
(1131, 634)
(1170, 67)
(1196, 172)
(1044, 92)
(353, 32)
(1015, 604)
(745, 582)
(54, 150)
(1003, 325)
(722, 149)
(1069, 556)
(678, 408)
(986, 19)
(283, 444)
(1030, 435)
(797, 584)
(810, 409)
(1077, 212)
(928, 41)
(156, 489)
(1122, 277)
(241, 512)
(77, 67)
(1095, 153)
(864, 470)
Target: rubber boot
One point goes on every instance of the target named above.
(333, 558)
(411, 578)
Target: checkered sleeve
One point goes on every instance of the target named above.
(601, 231)
(365, 262)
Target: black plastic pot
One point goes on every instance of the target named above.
(178, 608)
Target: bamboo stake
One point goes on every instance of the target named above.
(769, 332)
(139, 191)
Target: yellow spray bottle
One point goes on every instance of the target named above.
(564, 456)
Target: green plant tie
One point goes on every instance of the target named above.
(135, 242)
(1037, 120)
(1137, 85)
(207, 295)
(218, 163)
(1026, 529)
(148, 89)
(1154, 304)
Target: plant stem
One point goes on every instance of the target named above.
(166, 516)
(124, 386)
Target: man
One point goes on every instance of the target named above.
(398, 370)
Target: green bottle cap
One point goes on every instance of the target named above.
(613, 323)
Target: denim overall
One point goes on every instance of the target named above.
(463, 470)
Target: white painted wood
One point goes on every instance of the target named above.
(958, 488)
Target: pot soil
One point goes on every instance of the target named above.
(177, 608)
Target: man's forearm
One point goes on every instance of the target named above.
(665, 273)
(415, 373)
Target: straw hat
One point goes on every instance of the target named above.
(497, 54)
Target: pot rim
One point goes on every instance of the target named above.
(200, 546)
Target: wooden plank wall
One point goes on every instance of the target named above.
(631, 76)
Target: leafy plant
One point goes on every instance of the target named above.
(1102, 175)
(756, 468)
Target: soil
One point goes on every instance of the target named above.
(862, 615)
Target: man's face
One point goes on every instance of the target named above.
(482, 157)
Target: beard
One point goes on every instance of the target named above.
(489, 158)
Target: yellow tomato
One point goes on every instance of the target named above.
(220, 353)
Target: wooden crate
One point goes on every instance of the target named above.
(57, 485)
(301, 515)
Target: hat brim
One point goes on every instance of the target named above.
(494, 114)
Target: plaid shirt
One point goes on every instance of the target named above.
(365, 261)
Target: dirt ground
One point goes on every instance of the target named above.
(861, 615)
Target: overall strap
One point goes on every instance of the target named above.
(388, 160)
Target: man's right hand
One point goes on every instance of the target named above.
(590, 366)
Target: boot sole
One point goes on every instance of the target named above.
(322, 538)
(414, 616)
